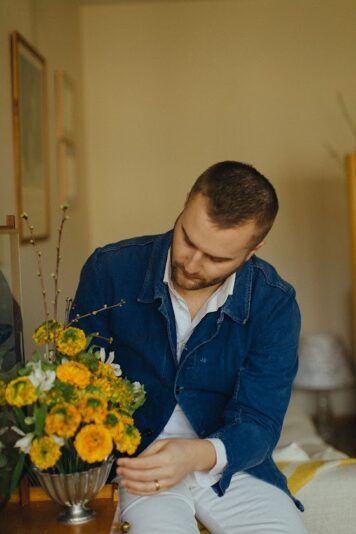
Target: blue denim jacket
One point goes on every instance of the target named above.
(234, 377)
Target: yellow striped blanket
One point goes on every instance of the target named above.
(300, 473)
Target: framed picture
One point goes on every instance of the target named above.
(65, 106)
(67, 172)
(11, 338)
(29, 95)
(66, 146)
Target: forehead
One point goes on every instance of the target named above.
(207, 237)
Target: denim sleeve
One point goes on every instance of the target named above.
(90, 297)
(254, 415)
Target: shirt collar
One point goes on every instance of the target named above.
(238, 308)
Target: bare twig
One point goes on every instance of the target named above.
(335, 156)
(68, 301)
(65, 217)
(94, 312)
(346, 113)
(38, 253)
(96, 334)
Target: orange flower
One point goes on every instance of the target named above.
(93, 443)
(74, 373)
(44, 452)
(63, 420)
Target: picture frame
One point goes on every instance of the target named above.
(67, 172)
(11, 330)
(65, 106)
(66, 137)
(30, 124)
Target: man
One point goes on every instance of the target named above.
(212, 332)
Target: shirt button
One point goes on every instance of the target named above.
(178, 389)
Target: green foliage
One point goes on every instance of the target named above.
(20, 417)
(140, 397)
(89, 359)
(67, 390)
(40, 413)
(17, 472)
(36, 356)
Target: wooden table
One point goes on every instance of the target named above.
(39, 515)
(41, 518)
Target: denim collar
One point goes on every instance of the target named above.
(237, 305)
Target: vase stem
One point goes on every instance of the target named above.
(76, 514)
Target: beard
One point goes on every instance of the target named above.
(193, 283)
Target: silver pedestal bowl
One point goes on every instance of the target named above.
(74, 490)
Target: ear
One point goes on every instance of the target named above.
(255, 249)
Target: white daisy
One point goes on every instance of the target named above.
(110, 361)
(43, 380)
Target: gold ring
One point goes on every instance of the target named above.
(157, 485)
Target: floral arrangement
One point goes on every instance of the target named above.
(70, 404)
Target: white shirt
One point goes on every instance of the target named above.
(178, 424)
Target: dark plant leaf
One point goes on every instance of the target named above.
(40, 416)
(17, 472)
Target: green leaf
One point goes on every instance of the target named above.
(3, 354)
(139, 401)
(11, 374)
(3, 460)
(36, 356)
(40, 413)
(89, 339)
(92, 389)
(17, 472)
(89, 360)
(20, 418)
(47, 366)
(24, 371)
(67, 390)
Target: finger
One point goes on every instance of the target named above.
(153, 448)
(142, 462)
(144, 475)
(143, 488)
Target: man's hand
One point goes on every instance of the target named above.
(167, 461)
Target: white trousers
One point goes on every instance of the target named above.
(249, 506)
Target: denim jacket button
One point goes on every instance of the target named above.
(178, 389)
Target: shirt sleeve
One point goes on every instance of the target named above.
(208, 478)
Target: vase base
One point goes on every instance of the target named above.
(74, 515)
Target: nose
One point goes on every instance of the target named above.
(192, 263)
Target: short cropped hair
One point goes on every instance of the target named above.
(237, 193)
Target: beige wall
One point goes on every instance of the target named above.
(51, 26)
(171, 87)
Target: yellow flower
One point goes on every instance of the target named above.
(44, 452)
(105, 371)
(122, 393)
(53, 397)
(74, 373)
(104, 386)
(93, 443)
(63, 420)
(92, 407)
(71, 341)
(20, 392)
(129, 441)
(2, 392)
(115, 424)
(47, 332)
